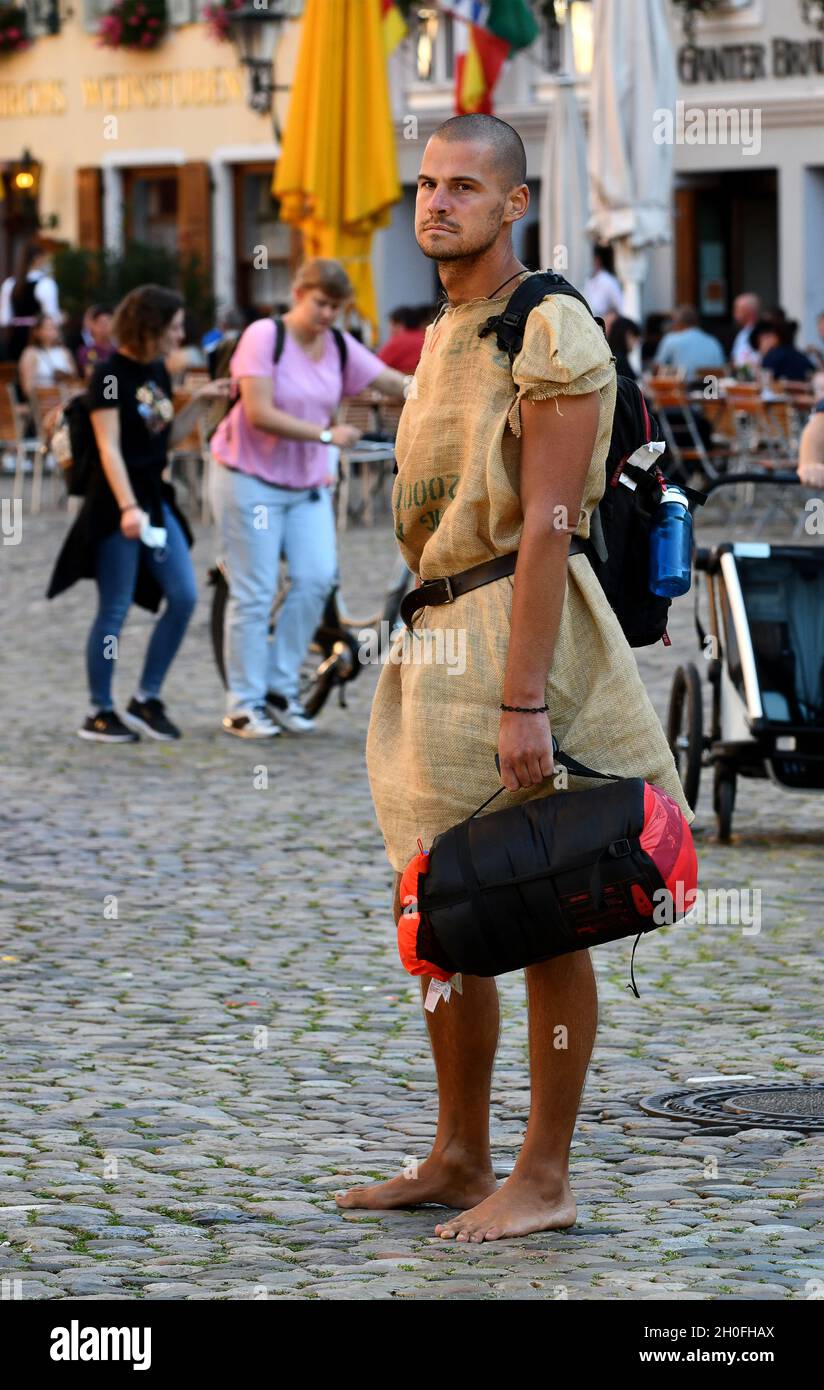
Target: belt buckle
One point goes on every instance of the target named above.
(450, 597)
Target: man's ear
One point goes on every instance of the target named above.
(517, 203)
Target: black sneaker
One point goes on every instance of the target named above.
(149, 716)
(106, 727)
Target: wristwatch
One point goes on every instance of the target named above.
(325, 437)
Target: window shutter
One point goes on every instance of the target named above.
(89, 209)
(194, 212)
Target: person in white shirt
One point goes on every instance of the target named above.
(25, 296)
(746, 311)
(45, 362)
(602, 291)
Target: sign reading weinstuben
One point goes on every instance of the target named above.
(129, 91)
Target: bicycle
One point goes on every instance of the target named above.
(333, 659)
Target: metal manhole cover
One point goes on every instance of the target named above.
(744, 1107)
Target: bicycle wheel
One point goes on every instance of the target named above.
(220, 596)
(685, 729)
(379, 611)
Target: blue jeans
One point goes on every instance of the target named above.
(117, 563)
(255, 521)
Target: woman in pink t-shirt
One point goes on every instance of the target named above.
(271, 492)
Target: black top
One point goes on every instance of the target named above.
(141, 392)
(787, 363)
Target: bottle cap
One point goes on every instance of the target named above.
(672, 493)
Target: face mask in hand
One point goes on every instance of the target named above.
(153, 536)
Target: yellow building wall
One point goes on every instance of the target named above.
(73, 103)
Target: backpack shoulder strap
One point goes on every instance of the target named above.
(280, 338)
(510, 325)
(340, 344)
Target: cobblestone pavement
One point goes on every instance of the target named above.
(185, 1086)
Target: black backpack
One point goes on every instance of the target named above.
(74, 445)
(619, 543)
(226, 351)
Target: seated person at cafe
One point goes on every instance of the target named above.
(775, 344)
(811, 450)
(687, 346)
(45, 362)
(97, 345)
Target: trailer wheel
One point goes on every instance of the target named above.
(685, 729)
(723, 798)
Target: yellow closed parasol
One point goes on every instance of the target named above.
(337, 176)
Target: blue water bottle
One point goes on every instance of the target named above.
(670, 554)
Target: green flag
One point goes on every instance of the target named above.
(514, 22)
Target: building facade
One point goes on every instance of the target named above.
(158, 146)
(163, 146)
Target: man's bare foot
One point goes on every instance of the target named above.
(518, 1207)
(449, 1182)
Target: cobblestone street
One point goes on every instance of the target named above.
(185, 1085)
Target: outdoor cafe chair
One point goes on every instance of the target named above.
(762, 444)
(760, 437)
(799, 401)
(369, 459)
(671, 402)
(13, 420)
(191, 456)
(389, 414)
(45, 402)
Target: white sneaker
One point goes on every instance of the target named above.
(290, 715)
(250, 723)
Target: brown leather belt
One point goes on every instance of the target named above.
(452, 586)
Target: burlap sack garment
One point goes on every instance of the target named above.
(433, 734)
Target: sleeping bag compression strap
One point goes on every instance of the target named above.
(578, 770)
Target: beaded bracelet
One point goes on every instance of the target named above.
(525, 709)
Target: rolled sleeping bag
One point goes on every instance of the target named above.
(557, 873)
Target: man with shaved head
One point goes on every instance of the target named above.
(746, 311)
(496, 457)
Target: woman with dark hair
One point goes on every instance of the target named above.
(25, 296)
(129, 535)
(622, 338)
(774, 341)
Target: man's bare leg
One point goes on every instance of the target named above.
(563, 1017)
(458, 1172)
